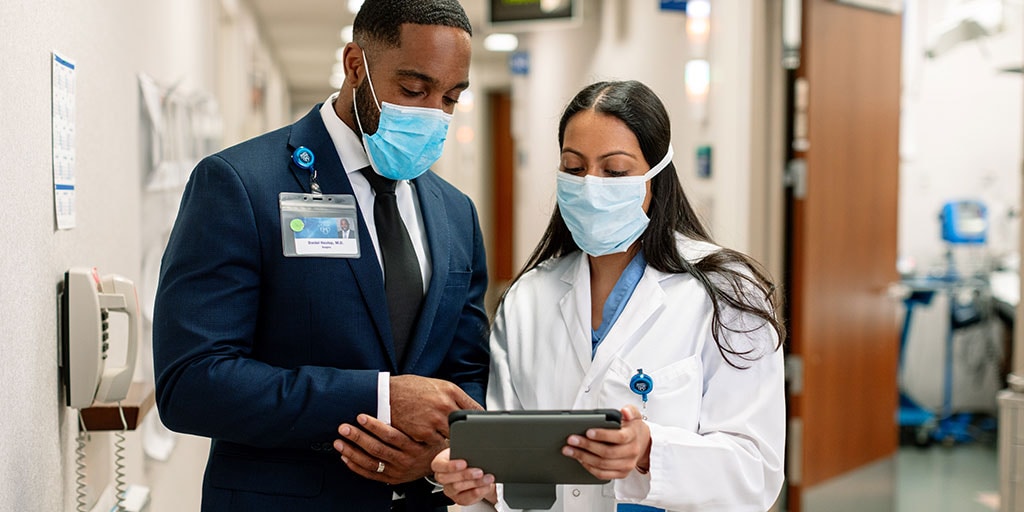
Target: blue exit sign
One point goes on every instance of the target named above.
(673, 5)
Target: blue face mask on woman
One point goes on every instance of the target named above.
(606, 215)
(408, 140)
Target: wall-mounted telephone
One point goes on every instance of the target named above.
(85, 302)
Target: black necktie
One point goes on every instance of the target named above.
(403, 283)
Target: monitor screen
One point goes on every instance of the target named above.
(519, 11)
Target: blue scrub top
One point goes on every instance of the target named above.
(618, 298)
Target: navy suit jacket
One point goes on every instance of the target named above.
(268, 354)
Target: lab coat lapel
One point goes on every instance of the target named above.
(435, 222)
(310, 132)
(575, 306)
(648, 297)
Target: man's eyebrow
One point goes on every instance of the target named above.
(433, 82)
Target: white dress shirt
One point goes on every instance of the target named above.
(353, 158)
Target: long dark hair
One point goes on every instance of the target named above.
(731, 278)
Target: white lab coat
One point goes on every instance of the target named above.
(718, 433)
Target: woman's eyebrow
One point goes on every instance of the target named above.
(606, 155)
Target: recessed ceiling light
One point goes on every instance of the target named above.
(501, 42)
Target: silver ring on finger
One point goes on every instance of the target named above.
(380, 467)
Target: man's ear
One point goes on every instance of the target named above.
(354, 64)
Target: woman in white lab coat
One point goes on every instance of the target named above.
(626, 285)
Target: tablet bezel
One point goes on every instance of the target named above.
(526, 446)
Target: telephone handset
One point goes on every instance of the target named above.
(85, 302)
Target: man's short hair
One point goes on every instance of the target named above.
(380, 21)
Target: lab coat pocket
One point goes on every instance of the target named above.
(675, 395)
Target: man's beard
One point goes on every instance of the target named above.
(368, 113)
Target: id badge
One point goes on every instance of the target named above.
(319, 225)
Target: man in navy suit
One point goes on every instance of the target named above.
(279, 359)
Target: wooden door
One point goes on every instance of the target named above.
(503, 155)
(842, 225)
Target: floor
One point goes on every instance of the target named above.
(960, 478)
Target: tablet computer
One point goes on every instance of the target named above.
(526, 446)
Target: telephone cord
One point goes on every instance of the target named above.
(119, 472)
(83, 436)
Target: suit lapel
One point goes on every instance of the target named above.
(435, 222)
(310, 132)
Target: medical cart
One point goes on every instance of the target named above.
(963, 223)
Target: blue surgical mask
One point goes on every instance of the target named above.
(606, 215)
(408, 139)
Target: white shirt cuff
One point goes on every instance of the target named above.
(384, 397)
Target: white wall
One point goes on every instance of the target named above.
(960, 134)
(623, 40)
(111, 42)
(245, 59)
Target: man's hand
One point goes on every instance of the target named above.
(420, 406)
(377, 451)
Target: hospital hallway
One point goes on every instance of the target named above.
(868, 155)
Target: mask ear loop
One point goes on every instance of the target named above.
(369, 80)
(355, 106)
(660, 166)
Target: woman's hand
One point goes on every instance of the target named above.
(609, 453)
(463, 484)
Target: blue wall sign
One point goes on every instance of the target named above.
(673, 5)
(519, 63)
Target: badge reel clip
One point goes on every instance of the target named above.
(303, 158)
(642, 384)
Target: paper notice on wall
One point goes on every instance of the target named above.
(63, 113)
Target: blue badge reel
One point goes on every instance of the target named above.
(641, 384)
(304, 158)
